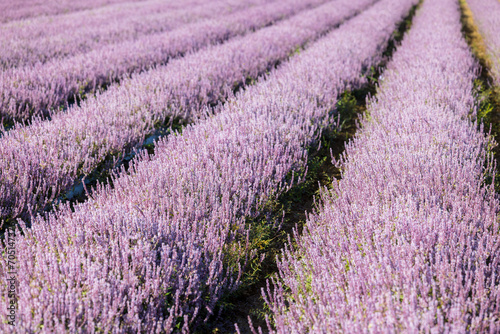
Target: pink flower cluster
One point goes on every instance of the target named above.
(45, 38)
(23, 9)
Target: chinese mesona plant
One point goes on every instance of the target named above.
(408, 239)
(23, 9)
(156, 251)
(35, 90)
(39, 161)
(29, 43)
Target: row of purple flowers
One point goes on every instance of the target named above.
(39, 161)
(156, 250)
(38, 89)
(30, 9)
(46, 38)
(408, 240)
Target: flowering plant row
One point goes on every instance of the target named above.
(156, 250)
(26, 9)
(408, 239)
(38, 89)
(39, 161)
(39, 40)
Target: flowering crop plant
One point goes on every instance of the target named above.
(42, 159)
(41, 39)
(36, 90)
(408, 239)
(240, 94)
(23, 9)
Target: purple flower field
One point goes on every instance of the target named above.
(156, 158)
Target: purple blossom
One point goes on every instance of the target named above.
(45, 38)
(23, 9)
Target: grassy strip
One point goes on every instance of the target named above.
(488, 95)
(289, 211)
(474, 38)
